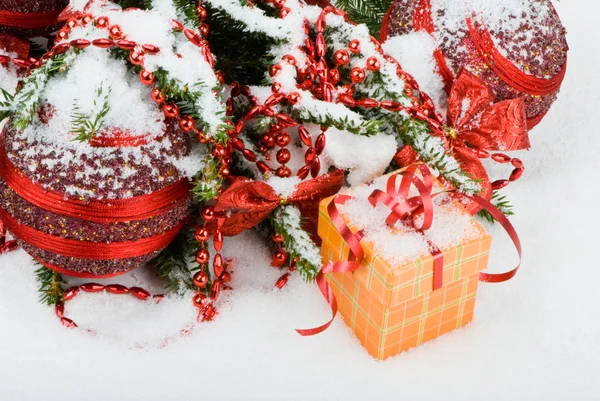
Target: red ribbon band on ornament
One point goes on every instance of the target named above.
(401, 208)
(28, 20)
(87, 249)
(98, 211)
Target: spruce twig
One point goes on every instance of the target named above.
(87, 125)
(51, 291)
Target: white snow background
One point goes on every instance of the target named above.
(536, 337)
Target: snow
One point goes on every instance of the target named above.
(533, 338)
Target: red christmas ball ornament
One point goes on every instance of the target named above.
(28, 18)
(202, 256)
(518, 50)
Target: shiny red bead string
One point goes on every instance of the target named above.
(6, 246)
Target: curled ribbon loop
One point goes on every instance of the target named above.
(400, 210)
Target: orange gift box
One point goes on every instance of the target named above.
(392, 308)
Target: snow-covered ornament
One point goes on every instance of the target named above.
(517, 47)
(30, 18)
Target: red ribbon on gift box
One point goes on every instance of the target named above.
(402, 206)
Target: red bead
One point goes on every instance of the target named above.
(102, 22)
(482, 154)
(282, 281)
(87, 19)
(279, 258)
(204, 29)
(59, 309)
(341, 57)
(310, 156)
(139, 293)
(157, 96)
(218, 151)
(202, 235)
(276, 87)
(136, 57)
(177, 26)
(347, 100)
(283, 172)
(208, 213)
(151, 49)
(200, 300)
(267, 140)
(517, 163)
(283, 156)
(194, 37)
(278, 238)
(115, 32)
(501, 158)
(274, 99)
(103, 43)
(368, 103)
(279, 3)
(288, 58)
(200, 279)
(72, 23)
(215, 291)
(65, 321)
(334, 76)
(208, 313)
(225, 277)
(516, 174)
(284, 12)
(320, 144)
(146, 77)
(303, 172)
(304, 136)
(91, 287)
(117, 289)
(391, 105)
(373, 64)
(249, 155)
(80, 43)
(70, 293)
(263, 167)
(315, 168)
(293, 98)
(218, 265)
(62, 34)
(186, 123)
(320, 45)
(218, 240)
(274, 70)
(354, 46)
(357, 75)
(171, 110)
(220, 76)
(201, 12)
(202, 256)
(125, 44)
(282, 139)
(499, 184)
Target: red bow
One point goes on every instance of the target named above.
(251, 202)
(476, 125)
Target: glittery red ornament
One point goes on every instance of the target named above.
(521, 54)
(31, 18)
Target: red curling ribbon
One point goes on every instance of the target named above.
(98, 211)
(29, 20)
(416, 205)
(251, 202)
(475, 123)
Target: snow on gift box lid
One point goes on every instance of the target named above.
(398, 264)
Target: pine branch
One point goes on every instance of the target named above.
(368, 12)
(287, 221)
(172, 263)
(502, 203)
(206, 185)
(51, 291)
(87, 125)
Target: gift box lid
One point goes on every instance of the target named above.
(398, 264)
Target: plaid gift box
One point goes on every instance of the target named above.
(393, 307)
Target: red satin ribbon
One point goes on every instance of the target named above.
(104, 211)
(419, 204)
(28, 20)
